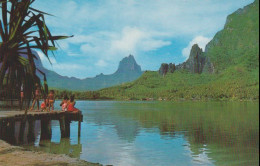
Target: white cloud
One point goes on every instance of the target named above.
(133, 19)
(151, 45)
(101, 63)
(67, 68)
(91, 49)
(200, 40)
(133, 41)
(70, 53)
(128, 40)
(111, 45)
(110, 30)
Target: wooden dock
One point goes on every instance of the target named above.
(8, 120)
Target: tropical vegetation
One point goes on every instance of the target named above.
(234, 53)
(22, 28)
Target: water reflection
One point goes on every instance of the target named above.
(126, 129)
(56, 145)
(213, 130)
(63, 147)
(162, 133)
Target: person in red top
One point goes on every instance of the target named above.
(44, 105)
(71, 105)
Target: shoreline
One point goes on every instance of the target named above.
(176, 100)
(147, 100)
(19, 156)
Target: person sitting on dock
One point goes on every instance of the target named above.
(71, 105)
(51, 99)
(44, 105)
(37, 96)
(64, 103)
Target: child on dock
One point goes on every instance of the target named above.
(44, 105)
(71, 105)
(51, 99)
(64, 103)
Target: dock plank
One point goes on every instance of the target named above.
(9, 118)
(54, 115)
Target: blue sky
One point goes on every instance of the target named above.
(154, 31)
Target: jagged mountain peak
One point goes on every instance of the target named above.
(128, 64)
(128, 71)
(195, 46)
(195, 51)
(129, 59)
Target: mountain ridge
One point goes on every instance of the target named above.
(231, 59)
(128, 70)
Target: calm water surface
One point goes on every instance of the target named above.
(161, 133)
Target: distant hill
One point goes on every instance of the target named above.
(127, 71)
(228, 69)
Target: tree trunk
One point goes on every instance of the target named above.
(3, 71)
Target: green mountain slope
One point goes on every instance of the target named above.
(234, 53)
(238, 42)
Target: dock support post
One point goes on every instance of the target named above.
(3, 130)
(7, 129)
(11, 131)
(80, 119)
(67, 128)
(62, 126)
(31, 136)
(46, 129)
(8, 133)
(1, 126)
(21, 132)
(79, 128)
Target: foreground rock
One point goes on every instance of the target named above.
(12, 155)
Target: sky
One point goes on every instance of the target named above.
(106, 31)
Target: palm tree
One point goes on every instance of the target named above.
(22, 28)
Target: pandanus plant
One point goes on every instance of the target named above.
(22, 28)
